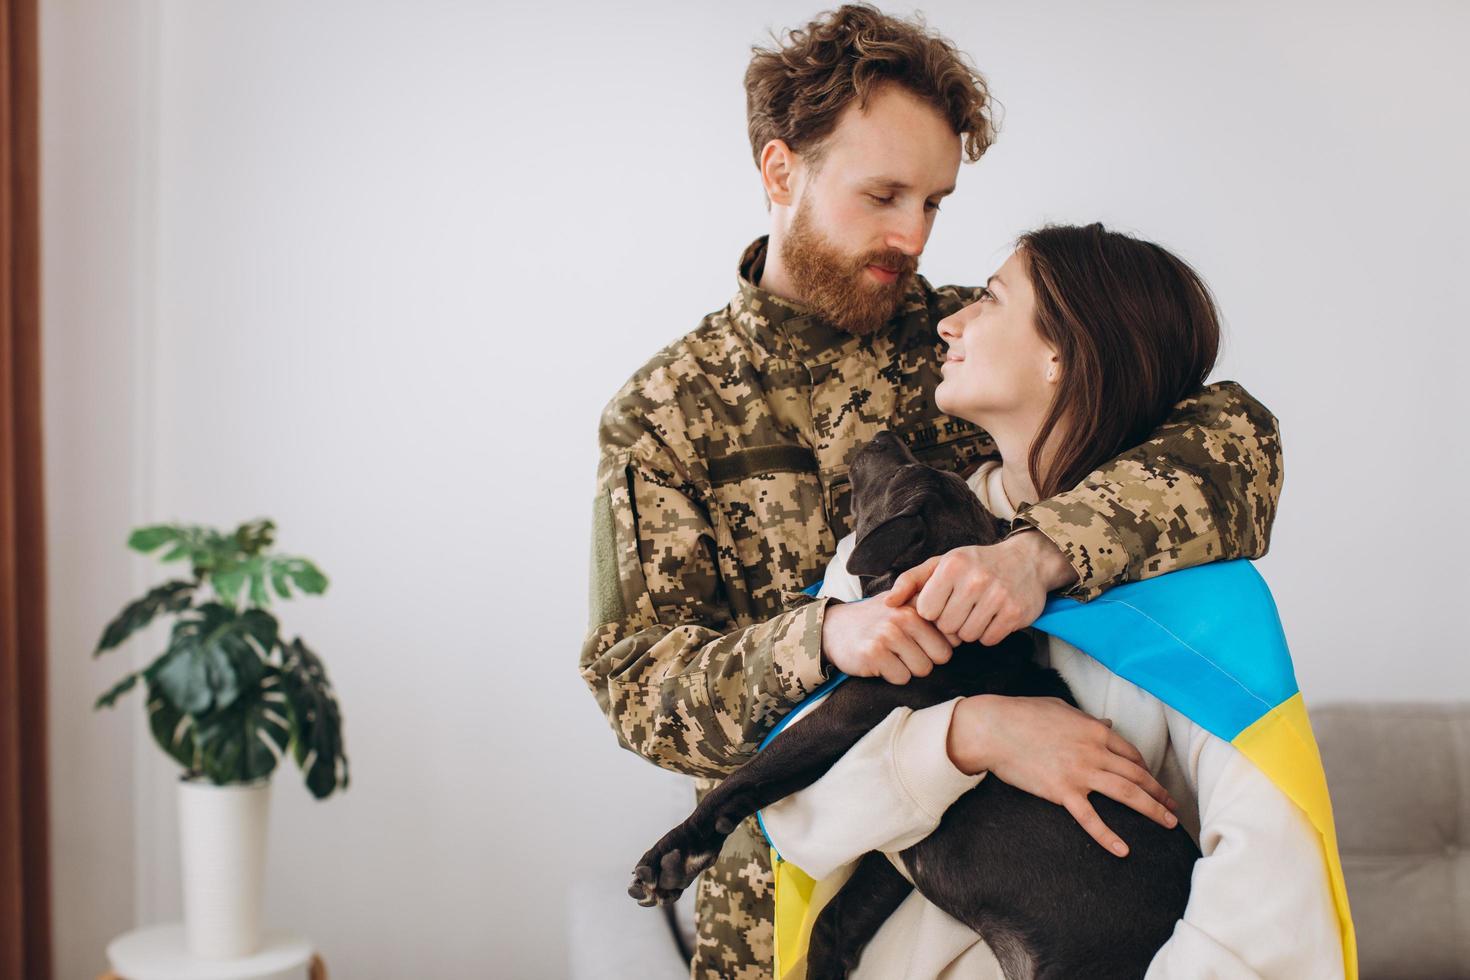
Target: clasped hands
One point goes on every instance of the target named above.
(973, 593)
(1041, 745)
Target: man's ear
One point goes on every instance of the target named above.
(778, 165)
(876, 552)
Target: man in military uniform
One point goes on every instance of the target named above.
(722, 485)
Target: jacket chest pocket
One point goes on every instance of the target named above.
(771, 507)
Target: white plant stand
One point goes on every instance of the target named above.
(160, 953)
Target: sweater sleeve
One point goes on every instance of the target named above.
(1260, 903)
(886, 793)
(837, 581)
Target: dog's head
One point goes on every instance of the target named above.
(905, 512)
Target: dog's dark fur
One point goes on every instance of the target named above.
(1048, 900)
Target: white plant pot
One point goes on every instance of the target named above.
(222, 831)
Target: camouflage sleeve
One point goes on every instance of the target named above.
(1203, 488)
(681, 685)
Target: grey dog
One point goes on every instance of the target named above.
(1048, 899)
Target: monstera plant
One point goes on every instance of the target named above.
(229, 696)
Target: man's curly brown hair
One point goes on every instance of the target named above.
(795, 91)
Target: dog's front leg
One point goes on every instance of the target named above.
(795, 759)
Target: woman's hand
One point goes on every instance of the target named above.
(875, 639)
(985, 592)
(1055, 751)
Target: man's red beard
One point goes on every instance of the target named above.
(835, 284)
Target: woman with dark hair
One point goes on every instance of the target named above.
(1077, 349)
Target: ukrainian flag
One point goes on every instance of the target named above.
(1207, 641)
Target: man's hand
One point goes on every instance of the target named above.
(1055, 751)
(877, 639)
(987, 592)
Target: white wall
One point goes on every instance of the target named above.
(373, 269)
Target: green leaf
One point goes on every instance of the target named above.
(168, 597)
(117, 690)
(318, 744)
(253, 537)
(176, 552)
(228, 582)
(308, 577)
(209, 661)
(255, 567)
(172, 729)
(145, 539)
(279, 579)
(244, 741)
(263, 627)
(192, 674)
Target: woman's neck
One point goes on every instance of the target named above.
(1013, 437)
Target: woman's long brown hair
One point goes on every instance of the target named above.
(1135, 330)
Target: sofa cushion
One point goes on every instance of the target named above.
(1399, 775)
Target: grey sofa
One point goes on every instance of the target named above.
(1399, 774)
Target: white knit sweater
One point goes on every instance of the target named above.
(1260, 903)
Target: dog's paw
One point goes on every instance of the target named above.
(671, 866)
(648, 893)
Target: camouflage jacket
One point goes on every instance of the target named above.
(722, 488)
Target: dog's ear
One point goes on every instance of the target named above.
(878, 550)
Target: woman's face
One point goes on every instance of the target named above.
(996, 366)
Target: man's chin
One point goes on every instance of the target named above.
(856, 302)
(875, 302)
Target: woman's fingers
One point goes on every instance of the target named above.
(1056, 751)
(1138, 776)
(1130, 794)
(1120, 746)
(910, 582)
(933, 597)
(1084, 814)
